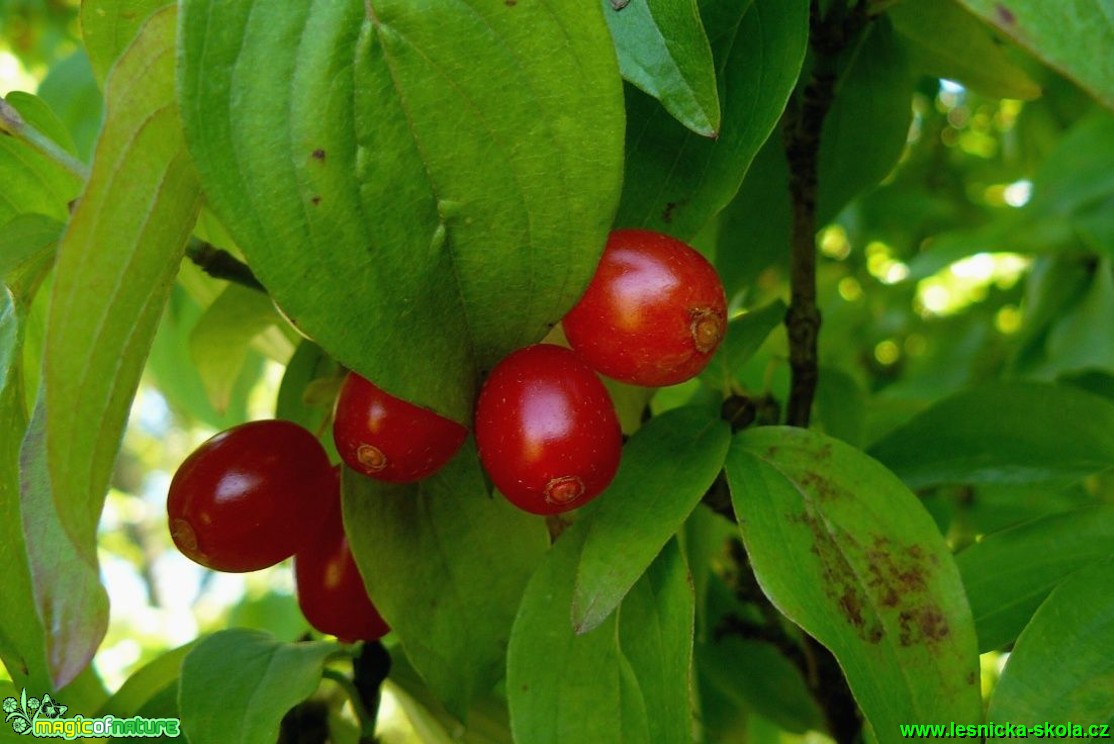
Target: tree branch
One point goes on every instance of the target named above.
(801, 127)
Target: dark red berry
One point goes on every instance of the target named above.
(653, 314)
(250, 496)
(330, 590)
(387, 438)
(546, 430)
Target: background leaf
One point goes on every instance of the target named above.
(115, 266)
(1061, 670)
(666, 468)
(72, 93)
(1073, 36)
(32, 181)
(109, 26)
(946, 41)
(865, 130)
(1009, 432)
(843, 549)
(1009, 573)
(437, 205)
(238, 684)
(446, 564)
(745, 335)
(676, 180)
(664, 52)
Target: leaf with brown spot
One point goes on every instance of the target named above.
(847, 552)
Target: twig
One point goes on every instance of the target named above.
(801, 128)
(369, 669)
(12, 124)
(220, 264)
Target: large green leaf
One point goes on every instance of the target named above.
(629, 680)
(677, 180)
(1061, 669)
(115, 267)
(865, 130)
(237, 685)
(666, 468)
(1073, 36)
(1009, 573)
(32, 181)
(948, 42)
(26, 249)
(1011, 432)
(664, 52)
(446, 565)
(843, 549)
(419, 208)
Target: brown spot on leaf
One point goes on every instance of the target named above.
(923, 624)
(670, 207)
(1005, 15)
(315, 200)
(319, 154)
(972, 678)
(510, 3)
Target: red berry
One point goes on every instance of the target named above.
(330, 590)
(653, 314)
(250, 496)
(546, 430)
(387, 438)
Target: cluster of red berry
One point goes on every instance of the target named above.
(546, 430)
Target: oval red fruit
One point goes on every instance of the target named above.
(250, 497)
(330, 590)
(387, 438)
(546, 430)
(653, 314)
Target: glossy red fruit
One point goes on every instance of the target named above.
(250, 496)
(330, 590)
(546, 430)
(653, 314)
(387, 438)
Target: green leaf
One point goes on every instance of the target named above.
(309, 386)
(551, 670)
(446, 565)
(666, 468)
(664, 52)
(1008, 432)
(865, 130)
(1081, 338)
(68, 595)
(1061, 669)
(844, 550)
(745, 335)
(1072, 36)
(433, 205)
(677, 180)
(656, 637)
(1009, 573)
(946, 41)
(171, 368)
(109, 26)
(754, 227)
(220, 341)
(115, 267)
(238, 684)
(841, 405)
(488, 719)
(32, 181)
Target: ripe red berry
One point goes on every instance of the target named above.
(330, 590)
(653, 314)
(546, 430)
(250, 496)
(387, 438)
